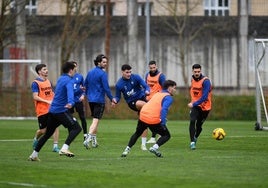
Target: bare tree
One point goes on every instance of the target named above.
(76, 25)
(7, 19)
(180, 11)
(9, 13)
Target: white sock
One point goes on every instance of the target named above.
(143, 140)
(65, 147)
(34, 154)
(155, 146)
(88, 137)
(55, 145)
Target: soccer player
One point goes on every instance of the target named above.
(79, 97)
(97, 86)
(59, 113)
(153, 115)
(43, 94)
(154, 79)
(200, 104)
(134, 90)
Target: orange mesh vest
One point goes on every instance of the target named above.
(153, 83)
(45, 92)
(150, 112)
(196, 94)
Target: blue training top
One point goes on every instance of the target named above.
(64, 94)
(97, 85)
(78, 82)
(132, 89)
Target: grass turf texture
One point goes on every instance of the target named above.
(240, 160)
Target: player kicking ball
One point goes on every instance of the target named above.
(153, 115)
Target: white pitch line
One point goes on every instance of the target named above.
(22, 184)
(17, 140)
(99, 159)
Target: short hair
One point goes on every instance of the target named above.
(126, 67)
(152, 62)
(196, 66)
(74, 62)
(99, 58)
(39, 67)
(67, 66)
(168, 83)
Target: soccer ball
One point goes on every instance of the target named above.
(218, 134)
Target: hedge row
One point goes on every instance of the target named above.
(224, 107)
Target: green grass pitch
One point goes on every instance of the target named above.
(240, 160)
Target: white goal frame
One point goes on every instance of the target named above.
(32, 70)
(260, 98)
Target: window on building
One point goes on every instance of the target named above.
(99, 9)
(31, 7)
(142, 9)
(216, 7)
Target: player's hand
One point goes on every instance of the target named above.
(190, 105)
(113, 104)
(83, 88)
(82, 98)
(114, 101)
(69, 106)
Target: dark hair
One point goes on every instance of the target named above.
(126, 67)
(67, 66)
(99, 59)
(168, 83)
(39, 67)
(152, 62)
(196, 66)
(74, 62)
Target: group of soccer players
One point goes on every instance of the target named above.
(150, 97)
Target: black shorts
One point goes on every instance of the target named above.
(79, 108)
(64, 118)
(42, 121)
(132, 104)
(96, 109)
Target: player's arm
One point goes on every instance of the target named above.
(205, 92)
(37, 98)
(143, 84)
(117, 97)
(70, 95)
(35, 90)
(166, 103)
(162, 79)
(106, 87)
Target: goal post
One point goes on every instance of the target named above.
(16, 77)
(261, 79)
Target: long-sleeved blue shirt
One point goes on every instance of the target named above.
(132, 89)
(166, 103)
(97, 85)
(64, 94)
(78, 82)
